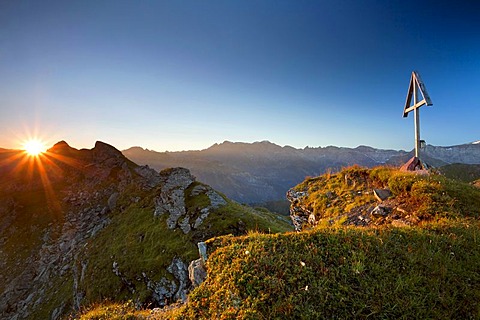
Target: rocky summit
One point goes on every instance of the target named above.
(380, 196)
(81, 226)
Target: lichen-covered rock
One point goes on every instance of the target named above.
(197, 272)
(162, 290)
(299, 214)
(166, 291)
(152, 177)
(185, 225)
(180, 272)
(171, 199)
(216, 200)
(203, 215)
(177, 178)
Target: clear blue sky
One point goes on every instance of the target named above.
(178, 75)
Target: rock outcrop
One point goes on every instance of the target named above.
(299, 213)
(172, 197)
(355, 196)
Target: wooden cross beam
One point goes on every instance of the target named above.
(416, 90)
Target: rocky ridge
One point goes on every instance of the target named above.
(69, 202)
(80, 215)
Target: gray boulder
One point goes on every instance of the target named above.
(197, 272)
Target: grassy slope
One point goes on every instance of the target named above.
(429, 270)
(344, 273)
(460, 171)
(140, 242)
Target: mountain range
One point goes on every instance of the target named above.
(260, 172)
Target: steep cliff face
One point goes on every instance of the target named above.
(80, 226)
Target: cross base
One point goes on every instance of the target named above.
(415, 165)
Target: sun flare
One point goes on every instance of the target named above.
(34, 147)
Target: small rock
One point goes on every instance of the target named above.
(382, 194)
(112, 200)
(185, 225)
(197, 272)
(198, 189)
(162, 291)
(180, 272)
(202, 250)
(216, 200)
(204, 214)
(381, 211)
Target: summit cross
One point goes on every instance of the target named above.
(417, 96)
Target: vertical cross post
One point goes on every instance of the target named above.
(416, 113)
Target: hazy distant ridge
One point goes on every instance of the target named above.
(263, 171)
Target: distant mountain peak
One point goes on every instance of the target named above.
(98, 154)
(61, 148)
(231, 146)
(137, 148)
(265, 142)
(104, 150)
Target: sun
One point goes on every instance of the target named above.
(34, 147)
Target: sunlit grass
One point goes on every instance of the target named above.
(429, 272)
